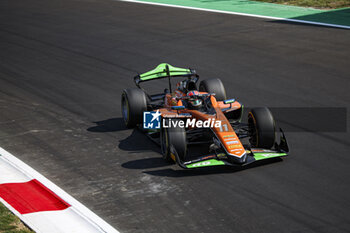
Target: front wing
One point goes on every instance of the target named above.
(254, 155)
(212, 160)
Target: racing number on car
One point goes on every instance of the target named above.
(223, 128)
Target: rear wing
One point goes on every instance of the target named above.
(164, 70)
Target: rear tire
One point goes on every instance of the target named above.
(213, 86)
(134, 103)
(176, 137)
(262, 128)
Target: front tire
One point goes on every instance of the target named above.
(262, 128)
(134, 103)
(213, 86)
(175, 136)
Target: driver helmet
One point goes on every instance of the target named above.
(194, 101)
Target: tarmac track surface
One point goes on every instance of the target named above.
(64, 64)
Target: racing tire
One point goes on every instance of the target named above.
(175, 136)
(213, 86)
(262, 128)
(134, 103)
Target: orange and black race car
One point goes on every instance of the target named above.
(196, 125)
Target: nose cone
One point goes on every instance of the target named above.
(231, 143)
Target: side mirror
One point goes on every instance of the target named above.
(229, 101)
(177, 107)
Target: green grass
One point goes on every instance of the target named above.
(323, 4)
(9, 223)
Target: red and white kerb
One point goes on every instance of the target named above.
(39, 203)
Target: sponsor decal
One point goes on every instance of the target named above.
(261, 150)
(234, 146)
(232, 142)
(269, 154)
(151, 120)
(229, 139)
(205, 163)
(229, 136)
(236, 150)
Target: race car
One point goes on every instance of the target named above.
(192, 115)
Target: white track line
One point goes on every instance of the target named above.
(238, 13)
(83, 212)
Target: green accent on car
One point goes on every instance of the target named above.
(268, 155)
(206, 163)
(161, 71)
